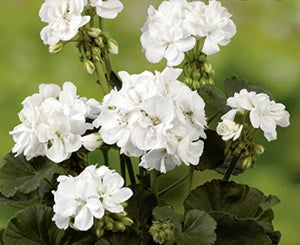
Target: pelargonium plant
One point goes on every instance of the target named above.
(155, 122)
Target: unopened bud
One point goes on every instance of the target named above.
(99, 42)
(92, 141)
(259, 149)
(119, 226)
(207, 67)
(89, 66)
(162, 231)
(247, 163)
(96, 53)
(94, 32)
(99, 232)
(56, 48)
(112, 46)
(127, 221)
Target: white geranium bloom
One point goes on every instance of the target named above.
(108, 9)
(164, 33)
(154, 116)
(80, 199)
(264, 113)
(53, 122)
(229, 129)
(63, 18)
(217, 27)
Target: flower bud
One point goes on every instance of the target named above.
(54, 49)
(127, 221)
(112, 46)
(89, 66)
(119, 226)
(259, 149)
(162, 231)
(94, 32)
(92, 141)
(96, 53)
(247, 163)
(99, 42)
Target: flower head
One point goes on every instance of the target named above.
(107, 9)
(80, 199)
(64, 19)
(53, 122)
(154, 116)
(229, 129)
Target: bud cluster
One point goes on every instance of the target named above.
(197, 70)
(162, 231)
(115, 222)
(94, 45)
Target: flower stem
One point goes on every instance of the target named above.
(123, 168)
(154, 182)
(231, 167)
(105, 156)
(173, 186)
(190, 178)
(130, 169)
(101, 77)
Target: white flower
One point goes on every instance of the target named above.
(53, 122)
(229, 129)
(80, 199)
(264, 113)
(164, 33)
(63, 18)
(108, 9)
(154, 116)
(92, 141)
(213, 22)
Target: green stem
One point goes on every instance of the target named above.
(130, 169)
(190, 178)
(154, 182)
(101, 77)
(173, 186)
(123, 168)
(105, 156)
(231, 167)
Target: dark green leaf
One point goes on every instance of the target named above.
(20, 199)
(33, 226)
(234, 84)
(161, 213)
(213, 153)
(239, 200)
(1, 235)
(231, 231)
(199, 229)
(18, 174)
(140, 206)
(125, 238)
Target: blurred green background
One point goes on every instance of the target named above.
(265, 51)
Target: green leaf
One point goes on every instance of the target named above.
(234, 84)
(1, 236)
(140, 206)
(33, 226)
(125, 238)
(161, 213)
(19, 175)
(199, 229)
(213, 153)
(239, 200)
(231, 231)
(20, 199)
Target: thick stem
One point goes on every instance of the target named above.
(130, 170)
(190, 178)
(105, 156)
(154, 182)
(231, 167)
(101, 77)
(123, 168)
(173, 186)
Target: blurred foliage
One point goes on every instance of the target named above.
(265, 51)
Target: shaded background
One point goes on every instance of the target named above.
(265, 51)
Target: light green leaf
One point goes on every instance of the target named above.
(19, 175)
(199, 229)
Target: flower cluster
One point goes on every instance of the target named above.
(64, 17)
(53, 122)
(79, 199)
(229, 129)
(264, 113)
(174, 27)
(156, 117)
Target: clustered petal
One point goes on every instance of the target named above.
(154, 116)
(229, 129)
(264, 113)
(173, 28)
(53, 122)
(64, 17)
(80, 199)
